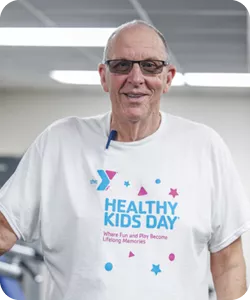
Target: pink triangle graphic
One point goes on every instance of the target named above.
(131, 254)
(110, 174)
(142, 192)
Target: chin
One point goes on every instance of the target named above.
(135, 113)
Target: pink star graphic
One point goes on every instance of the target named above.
(173, 192)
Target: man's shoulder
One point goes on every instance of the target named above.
(74, 122)
(74, 126)
(71, 130)
(195, 132)
(187, 126)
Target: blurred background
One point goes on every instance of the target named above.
(209, 43)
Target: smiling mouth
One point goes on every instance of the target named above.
(135, 96)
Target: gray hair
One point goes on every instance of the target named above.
(131, 23)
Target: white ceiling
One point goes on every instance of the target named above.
(203, 35)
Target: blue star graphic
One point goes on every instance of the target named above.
(126, 183)
(156, 269)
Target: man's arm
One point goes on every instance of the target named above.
(229, 272)
(7, 235)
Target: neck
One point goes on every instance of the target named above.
(130, 131)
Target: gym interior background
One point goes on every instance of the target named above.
(203, 36)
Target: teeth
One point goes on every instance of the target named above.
(133, 96)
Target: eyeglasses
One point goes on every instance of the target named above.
(123, 66)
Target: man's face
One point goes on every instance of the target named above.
(134, 96)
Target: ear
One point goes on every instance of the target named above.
(171, 71)
(103, 77)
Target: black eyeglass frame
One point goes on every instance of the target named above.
(164, 64)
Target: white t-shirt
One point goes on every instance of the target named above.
(131, 221)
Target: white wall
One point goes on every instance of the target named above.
(23, 115)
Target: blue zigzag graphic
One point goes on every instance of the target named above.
(105, 180)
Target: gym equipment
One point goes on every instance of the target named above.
(14, 265)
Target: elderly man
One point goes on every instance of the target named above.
(126, 203)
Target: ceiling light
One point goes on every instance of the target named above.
(92, 77)
(76, 77)
(55, 37)
(217, 79)
(178, 80)
(190, 79)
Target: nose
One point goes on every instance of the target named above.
(135, 76)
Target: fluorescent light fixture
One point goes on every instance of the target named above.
(218, 79)
(178, 80)
(55, 37)
(191, 79)
(92, 77)
(76, 77)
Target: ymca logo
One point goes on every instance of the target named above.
(106, 177)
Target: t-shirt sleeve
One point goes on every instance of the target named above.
(230, 205)
(20, 197)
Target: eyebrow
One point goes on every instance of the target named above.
(153, 58)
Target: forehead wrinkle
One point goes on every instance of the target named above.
(145, 53)
(137, 40)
